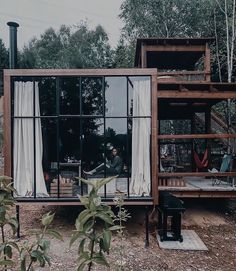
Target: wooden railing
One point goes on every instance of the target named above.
(199, 76)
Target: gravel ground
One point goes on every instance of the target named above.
(216, 229)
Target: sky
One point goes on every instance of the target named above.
(35, 16)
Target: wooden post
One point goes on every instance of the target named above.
(207, 63)
(193, 128)
(7, 125)
(208, 131)
(143, 56)
(154, 141)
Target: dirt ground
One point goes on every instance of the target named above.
(212, 220)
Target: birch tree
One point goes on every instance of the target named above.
(227, 7)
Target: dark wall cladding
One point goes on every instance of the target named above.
(82, 120)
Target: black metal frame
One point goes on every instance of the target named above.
(79, 116)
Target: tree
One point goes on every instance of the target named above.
(160, 18)
(225, 33)
(185, 18)
(123, 55)
(90, 48)
(77, 47)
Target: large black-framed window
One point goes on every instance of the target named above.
(83, 118)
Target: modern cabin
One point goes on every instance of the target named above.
(161, 118)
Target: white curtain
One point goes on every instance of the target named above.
(141, 130)
(23, 142)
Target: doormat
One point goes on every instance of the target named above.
(191, 241)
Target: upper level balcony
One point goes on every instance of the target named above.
(176, 59)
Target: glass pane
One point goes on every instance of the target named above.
(116, 138)
(116, 96)
(92, 95)
(93, 146)
(130, 97)
(47, 96)
(69, 157)
(69, 139)
(70, 96)
(49, 161)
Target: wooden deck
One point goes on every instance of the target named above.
(200, 184)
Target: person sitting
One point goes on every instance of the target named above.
(113, 167)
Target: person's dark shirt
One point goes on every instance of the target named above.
(117, 164)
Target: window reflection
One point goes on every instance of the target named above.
(69, 139)
(70, 96)
(74, 145)
(49, 161)
(130, 96)
(47, 96)
(92, 95)
(93, 143)
(69, 157)
(116, 96)
(116, 137)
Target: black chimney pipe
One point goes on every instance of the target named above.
(13, 44)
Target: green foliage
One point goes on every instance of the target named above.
(178, 18)
(124, 55)
(77, 47)
(121, 217)
(3, 56)
(93, 243)
(30, 253)
(6, 201)
(161, 18)
(37, 253)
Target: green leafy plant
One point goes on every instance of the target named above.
(6, 201)
(38, 251)
(121, 217)
(94, 243)
(31, 253)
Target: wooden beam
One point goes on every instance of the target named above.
(196, 174)
(200, 94)
(208, 131)
(175, 48)
(21, 202)
(204, 194)
(79, 72)
(181, 73)
(192, 136)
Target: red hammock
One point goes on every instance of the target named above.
(201, 163)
